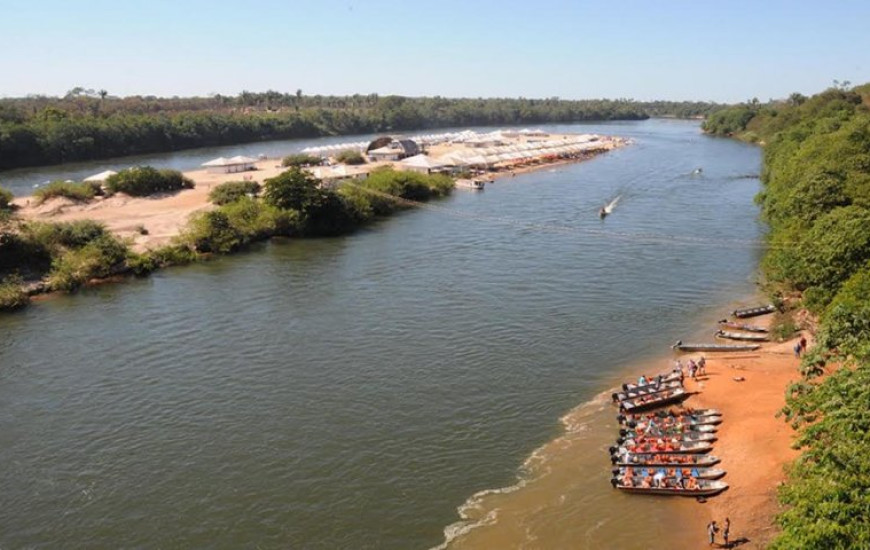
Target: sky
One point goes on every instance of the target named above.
(668, 49)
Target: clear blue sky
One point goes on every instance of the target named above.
(693, 49)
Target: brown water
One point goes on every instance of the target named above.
(356, 392)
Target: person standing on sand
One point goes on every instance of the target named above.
(803, 343)
(726, 529)
(711, 530)
(797, 350)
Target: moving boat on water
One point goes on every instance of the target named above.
(741, 336)
(741, 326)
(672, 472)
(476, 184)
(604, 211)
(645, 390)
(651, 401)
(753, 311)
(649, 459)
(705, 487)
(680, 346)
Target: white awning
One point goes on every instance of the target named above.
(102, 176)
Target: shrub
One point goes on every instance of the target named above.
(74, 234)
(12, 294)
(98, 258)
(141, 181)
(232, 191)
(6, 197)
(79, 192)
(349, 156)
(300, 160)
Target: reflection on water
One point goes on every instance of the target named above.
(354, 392)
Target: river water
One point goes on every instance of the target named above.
(362, 392)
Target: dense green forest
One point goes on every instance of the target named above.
(85, 124)
(816, 199)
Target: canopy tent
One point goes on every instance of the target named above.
(102, 176)
(233, 164)
(422, 163)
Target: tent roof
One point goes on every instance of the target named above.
(422, 161)
(101, 176)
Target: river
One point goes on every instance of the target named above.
(354, 392)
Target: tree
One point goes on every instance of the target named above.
(293, 189)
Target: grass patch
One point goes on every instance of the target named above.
(78, 192)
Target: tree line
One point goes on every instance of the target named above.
(88, 125)
(816, 199)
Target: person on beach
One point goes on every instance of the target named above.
(712, 528)
(702, 365)
(803, 343)
(726, 530)
(797, 350)
(693, 369)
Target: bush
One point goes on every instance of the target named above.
(141, 181)
(79, 192)
(300, 160)
(74, 234)
(232, 191)
(99, 258)
(349, 156)
(6, 197)
(12, 294)
(236, 225)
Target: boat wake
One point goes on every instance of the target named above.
(611, 205)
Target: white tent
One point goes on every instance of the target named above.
(102, 176)
(233, 164)
(421, 163)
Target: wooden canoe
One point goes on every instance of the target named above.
(753, 311)
(669, 377)
(741, 336)
(741, 326)
(680, 346)
(631, 435)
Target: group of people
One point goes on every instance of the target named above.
(713, 528)
(695, 368)
(655, 445)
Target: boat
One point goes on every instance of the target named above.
(691, 435)
(753, 311)
(651, 401)
(741, 326)
(741, 336)
(476, 184)
(645, 390)
(658, 430)
(680, 346)
(657, 446)
(673, 459)
(705, 488)
(696, 422)
(651, 380)
(675, 412)
(670, 472)
(607, 209)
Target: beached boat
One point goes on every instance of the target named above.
(706, 488)
(687, 411)
(680, 346)
(657, 446)
(651, 401)
(672, 472)
(741, 336)
(694, 422)
(649, 459)
(657, 430)
(633, 436)
(651, 381)
(753, 311)
(741, 326)
(645, 390)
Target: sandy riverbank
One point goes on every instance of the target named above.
(754, 445)
(165, 216)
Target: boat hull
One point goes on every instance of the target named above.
(753, 311)
(668, 460)
(741, 336)
(680, 346)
